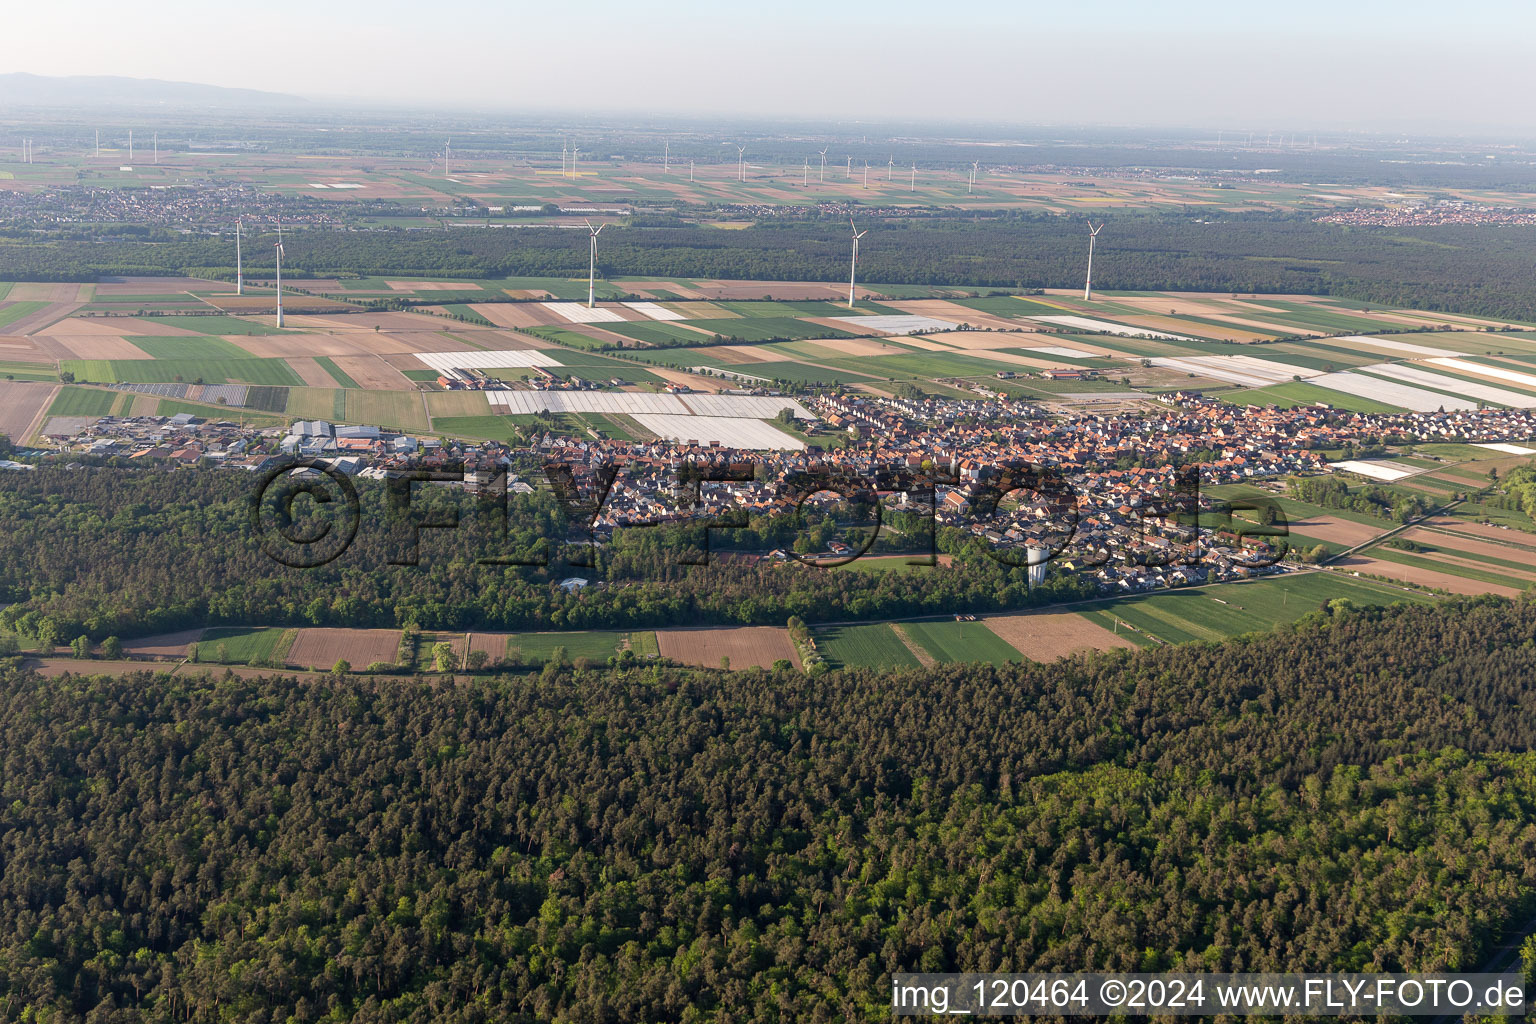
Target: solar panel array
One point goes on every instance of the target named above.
(728, 431)
(576, 313)
(485, 360)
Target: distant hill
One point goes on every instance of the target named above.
(27, 90)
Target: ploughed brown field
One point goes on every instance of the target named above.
(746, 646)
(21, 406)
(165, 645)
(1046, 636)
(1423, 577)
(322, 648)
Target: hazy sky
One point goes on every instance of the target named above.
(1292, 65)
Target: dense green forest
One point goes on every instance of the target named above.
(1466, 268)
(71, 539)
(657, 844)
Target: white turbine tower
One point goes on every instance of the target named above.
(592, 266)
(130, 145)
(1093, 234)
(913, 187)
(279, 248)
(975, 166)
(447, 155)
(690, 168)
(824, 165)
(157, 147)
(575, 152)
(848, 171)
(563, 154)
(666, 157)
(98, 142)
(805, 179)
(239, 267)
(853, 268)
(741, 163)
(890, 168)
(866, 174)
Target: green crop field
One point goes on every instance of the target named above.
(655, 333)
(962, 641)
(487, 428)
(267, 399)
(768, 328)
(1296, 393)
(874, 646)
(213, 324)
(16, 310)
(82, 402)
(189, 348)
(26, 371)
(1181, 616)
(242, 644)
(234, 414)
(402, 409)
(312, 403)
(598, 645)
(337, 373)
(164, 371)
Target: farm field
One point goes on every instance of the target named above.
(242, 644)
(949, 641)
(320, 648)
(744, 646)
(871, 646)
(1230, 609)
(595, 645)
(1046, 636)
(21, 406)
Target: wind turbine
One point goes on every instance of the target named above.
(130, 145)
(447, 155)
(98, 142)
(848, 171)
(1093, 234)
(975, 166)
(592, 266)
(741, 163)
(563, 146)
(666, 157)
(866, 174)
(239, 268)
(279, 248)
(853, 268)
(690, 168)
(805, 180)
(575, 152)
(913, 187)
(157, 147)
(890, 168)
(824, 165)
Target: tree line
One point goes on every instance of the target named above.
(1467, 268)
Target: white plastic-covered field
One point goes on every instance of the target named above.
(576, 313)
(1484, 370)
(1059, 350)
(1467, 389)
(485, 360)
(728, 431)
(625, 403)
(754, 406)
(1245, 370)
(1084, 323)
(1390, 392)
(654, 311)
(900, 324)
(1507, 449)
(1374, 470)
(1388, 345)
